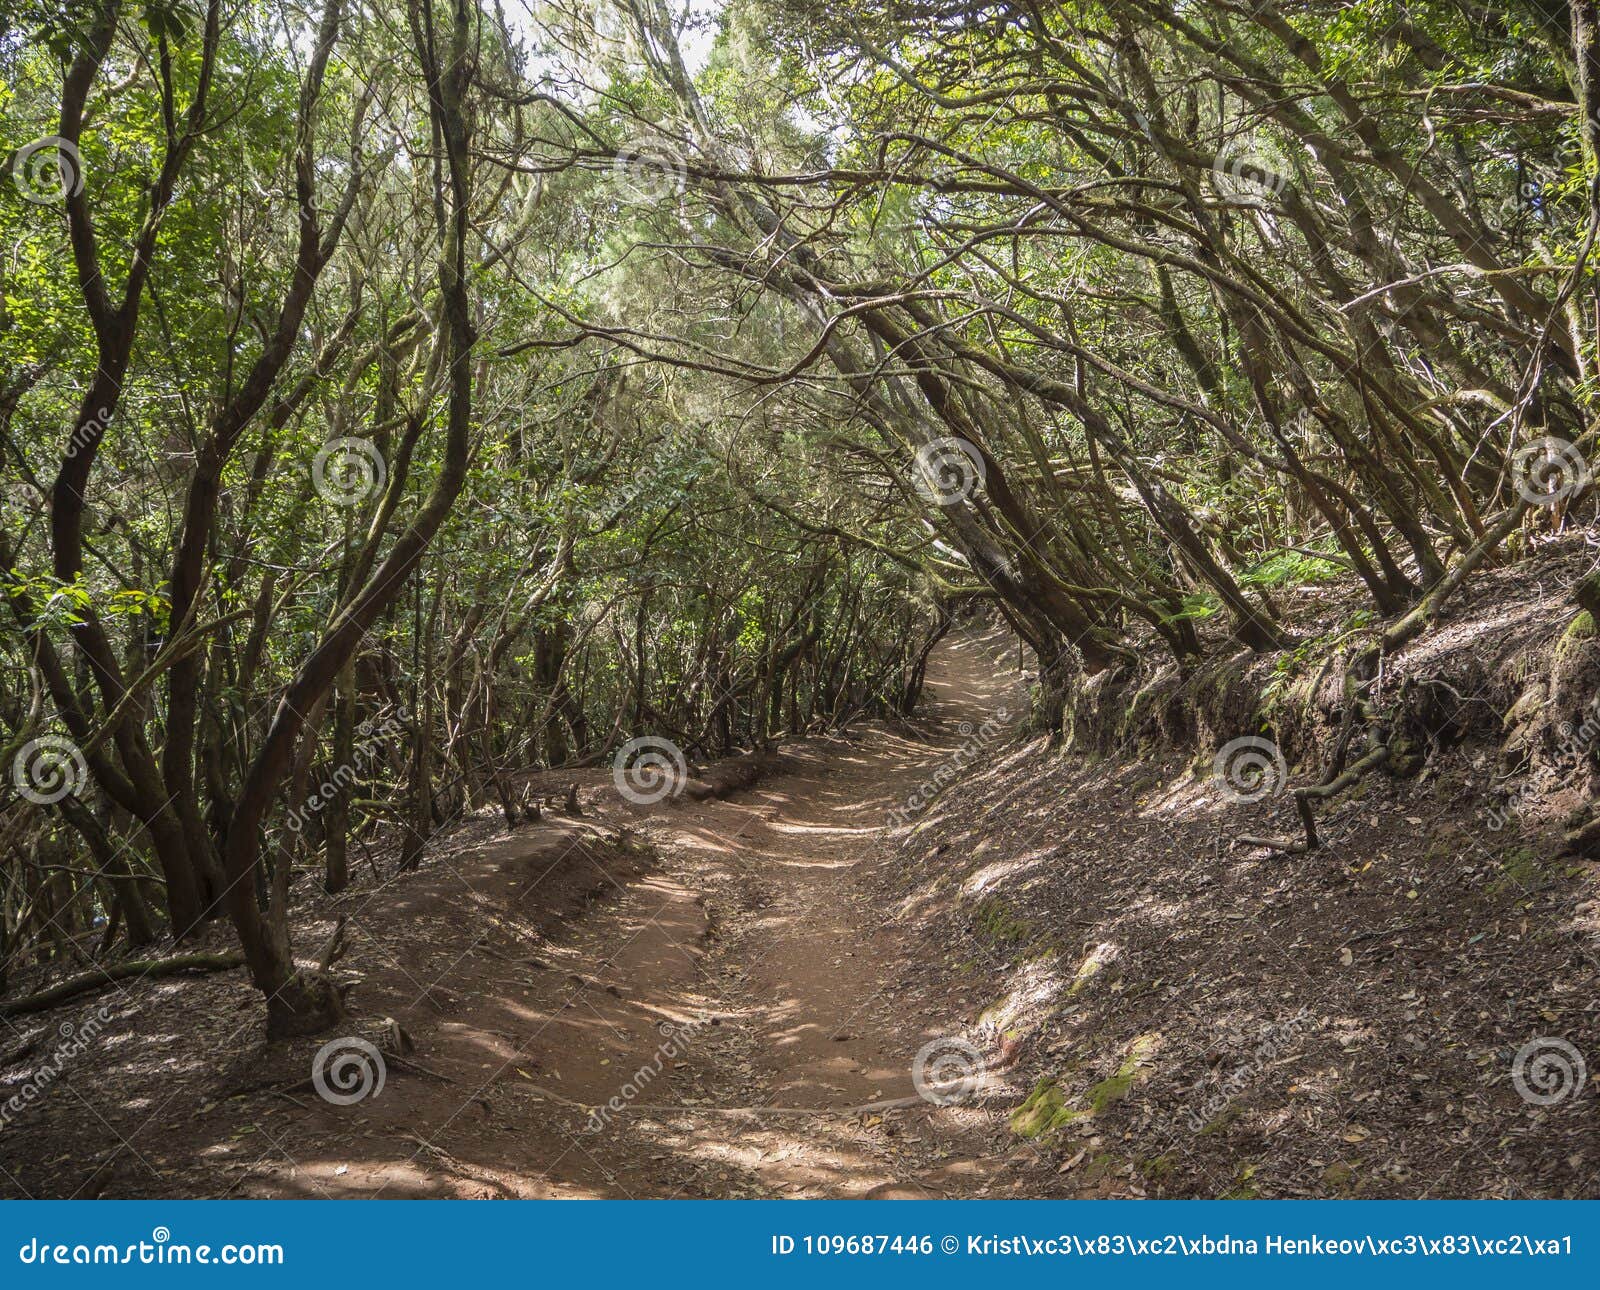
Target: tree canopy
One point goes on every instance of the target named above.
(395, 397)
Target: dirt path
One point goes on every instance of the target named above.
(808, 989)
(736, 1009)
(563, 1013)
(709, 1031)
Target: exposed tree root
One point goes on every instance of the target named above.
(1303, 798)
(334, 950)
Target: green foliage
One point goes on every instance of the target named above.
(1289, 568)
(1265, 337)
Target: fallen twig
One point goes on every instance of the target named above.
(1302, 800)
(417, 1068)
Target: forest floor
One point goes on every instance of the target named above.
(736, 1009)
(745, 990)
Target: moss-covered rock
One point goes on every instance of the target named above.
(1046, 1109)
(1110, 1091)
(1529, 705)
(1580, 629)
(1339, 1177)
(1245, 1187)
(1221, 1120)
(1044, 1112)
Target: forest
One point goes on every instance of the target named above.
(1094, 465)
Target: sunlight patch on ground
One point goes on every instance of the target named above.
(1097, 958)
(829, 829)
(1183, 798)
(981, 880)
(1034, 987)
